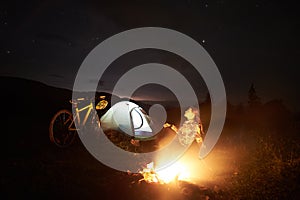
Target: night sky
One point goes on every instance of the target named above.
(250, 41)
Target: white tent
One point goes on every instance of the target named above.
(127, 117)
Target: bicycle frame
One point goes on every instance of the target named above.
(89, 108)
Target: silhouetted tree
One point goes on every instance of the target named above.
(254, 115)
(253, 99)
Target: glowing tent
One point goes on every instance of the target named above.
(127, 117)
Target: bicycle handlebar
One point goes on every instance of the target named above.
(78, 100)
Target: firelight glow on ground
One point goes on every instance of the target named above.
(190, 168)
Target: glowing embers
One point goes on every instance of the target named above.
(174, 172)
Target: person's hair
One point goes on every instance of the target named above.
(197, 114)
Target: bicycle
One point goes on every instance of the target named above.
(62, 130)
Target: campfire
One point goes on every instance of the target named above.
(175, 172)
(189, 168)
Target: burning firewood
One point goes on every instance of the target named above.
(175, 172)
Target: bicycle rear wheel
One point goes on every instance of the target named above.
(62, 128)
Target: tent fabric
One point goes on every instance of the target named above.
(127, 117)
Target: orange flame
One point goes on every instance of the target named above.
(175, 172)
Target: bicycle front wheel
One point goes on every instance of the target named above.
(62, 130)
